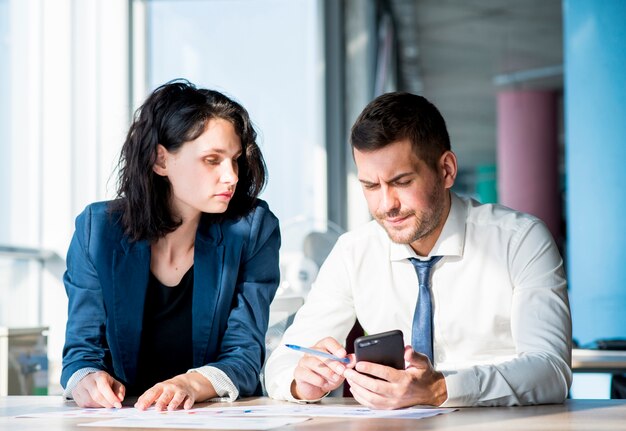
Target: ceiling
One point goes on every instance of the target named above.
(462, 45)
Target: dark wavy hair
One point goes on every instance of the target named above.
(392, 117)
(175, 113)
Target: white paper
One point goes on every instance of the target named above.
(321, 410)
(77, 412)
(202, 416)
(192, 421)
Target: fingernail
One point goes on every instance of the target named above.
(340, 369)
(335, 378)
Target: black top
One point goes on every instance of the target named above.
(166, 344)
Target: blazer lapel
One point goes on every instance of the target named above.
(207, 275)
(131, 271)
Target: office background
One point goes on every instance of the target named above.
(532, 91)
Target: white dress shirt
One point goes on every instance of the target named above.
(501, 319)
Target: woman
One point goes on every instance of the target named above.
(169, 285)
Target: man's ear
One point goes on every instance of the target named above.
(160, 165)
(447, 163)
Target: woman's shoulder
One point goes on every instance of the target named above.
(260, 215)
(97, 208)
(100, 218)
(259, 224)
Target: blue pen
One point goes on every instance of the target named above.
(317, 353)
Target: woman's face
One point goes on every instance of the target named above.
(203, 173)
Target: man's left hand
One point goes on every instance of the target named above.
(418, 384)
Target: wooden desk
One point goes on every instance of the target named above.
(579, 415)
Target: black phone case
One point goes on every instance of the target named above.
(386, 348)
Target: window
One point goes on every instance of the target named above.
(268, 56)
(64, 110)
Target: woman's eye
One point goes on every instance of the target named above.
(213, 161)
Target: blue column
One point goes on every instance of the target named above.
(595, 149)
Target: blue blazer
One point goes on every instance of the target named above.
(235, 278)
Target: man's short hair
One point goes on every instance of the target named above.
(393, 117)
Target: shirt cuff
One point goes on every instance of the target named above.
(295, 400)
(223, 385)
(462, 386)
(75, 378)
(288, 396)
(291, 398)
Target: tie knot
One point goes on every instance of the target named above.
(423, 267)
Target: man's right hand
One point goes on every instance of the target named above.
(314, 376)
(99, 389)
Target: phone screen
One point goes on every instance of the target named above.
(386, 348)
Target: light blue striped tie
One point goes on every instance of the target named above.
(422, 335)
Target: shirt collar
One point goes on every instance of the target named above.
(450, 241)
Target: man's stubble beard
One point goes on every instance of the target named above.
(423, 224)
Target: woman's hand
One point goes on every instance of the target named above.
(180, 391)
(99, 389)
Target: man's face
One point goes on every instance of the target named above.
(405, 196)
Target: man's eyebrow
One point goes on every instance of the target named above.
(394, 179)
(400, 176)
(368, 183)
(365, 181)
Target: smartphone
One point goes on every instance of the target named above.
(386, 348)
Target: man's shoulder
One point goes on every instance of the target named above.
(496, 215)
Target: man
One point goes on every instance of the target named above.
(499, 313)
